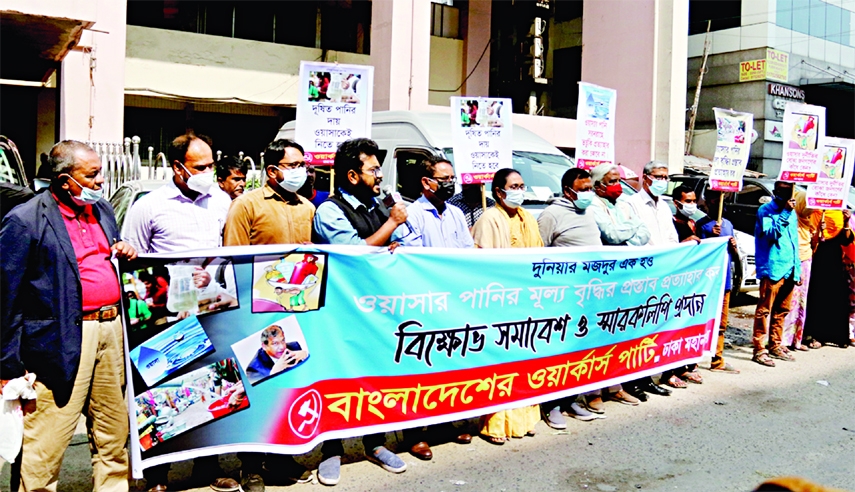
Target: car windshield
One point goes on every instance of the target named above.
(541, 172)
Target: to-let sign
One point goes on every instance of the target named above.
(752, 70)
(774, 67)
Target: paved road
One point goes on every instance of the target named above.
(767, 422)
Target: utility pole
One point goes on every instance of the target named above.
(694, 115)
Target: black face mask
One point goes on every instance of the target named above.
(784, 196)
(444, 191)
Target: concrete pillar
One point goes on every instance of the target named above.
(400, 47)
(638, 47)
(92, 85)
(478, 33)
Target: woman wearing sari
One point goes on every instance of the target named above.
(508, 225)
(828, 306)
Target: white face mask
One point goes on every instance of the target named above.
(689, 209)
(293, 179)
(87, 196)
(514, 198)
(200, 183)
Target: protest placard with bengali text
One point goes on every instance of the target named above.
(831, 189)
(482, 137)
(334, 104)
(733, 144)
(804, 129)
(595, 126)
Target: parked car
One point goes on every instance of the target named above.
(128, 194)
(744, 272)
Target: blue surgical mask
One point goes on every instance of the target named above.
(658, 187)
(514, 198)
(87, 196)
(583, 199)
(292, 179)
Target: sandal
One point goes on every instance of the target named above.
(764, 360)
(531, 433)
(676, 382)
(498, 441)
(781, 354)
(726, 368)
(814, 344)
(801, 348)
(693, 377)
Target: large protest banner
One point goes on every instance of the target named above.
(733, 144)
(482, 137)
(595, 126)
(831, 189)
(333, 105)
(277, 348)
(804, 129)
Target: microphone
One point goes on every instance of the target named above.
(390, 198)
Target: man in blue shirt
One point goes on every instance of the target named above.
(776, 239)
(433, 222)
(707, 227)
(353, 216)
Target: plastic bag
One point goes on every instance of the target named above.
(12, 415)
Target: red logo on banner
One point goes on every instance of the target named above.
(305, 414)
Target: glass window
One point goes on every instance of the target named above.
(784, 14)
(725, 14)
(254, 21)
(832, 24)
(296, 23)
(751, 195)
(817, 18)
(801, 16)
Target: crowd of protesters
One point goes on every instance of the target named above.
(61, 295)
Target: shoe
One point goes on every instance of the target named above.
(636, 392)
(463, 439)
(422, 451)
(297, 473)
(578, 412)
(654, 389)
(329, 471)
(595, 404)
(387, 460)
(157, 488)
(554, 418)
(252, 482)
(781, 354)
(725, 368)
(624, 397)
(230, 485)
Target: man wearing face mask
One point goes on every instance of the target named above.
(650, 209)
(565, 221)
(61, 321)
(688, 214)
(274, 213)
(186, 213)
(776, 243)
(434, 222)
(616, 220)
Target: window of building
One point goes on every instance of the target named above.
(724, 14)
(444, 21)
(345, 25)
(567, 10)
(815, 18)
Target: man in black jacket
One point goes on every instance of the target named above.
(60, 302)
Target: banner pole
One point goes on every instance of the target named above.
(483, 197)
(720, 208)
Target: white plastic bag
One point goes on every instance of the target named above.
(12, 416)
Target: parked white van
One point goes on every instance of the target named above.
(406, 137)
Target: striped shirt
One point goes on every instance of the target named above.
(165, 220)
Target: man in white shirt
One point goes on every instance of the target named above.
(187, 212)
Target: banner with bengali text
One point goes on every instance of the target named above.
(278, 348)
(831, 189)
(804, 129)
(482, 134)
(595, 126)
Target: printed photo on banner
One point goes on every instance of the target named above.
(179, 405)
(293, 282)
(170, 350)
(804, 131)
(831, 189)
(482, 137)
(161, 294)
(273, 350)
(475, 113)
(595, 125)
(334, 87)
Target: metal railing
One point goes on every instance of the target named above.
(121, 162)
